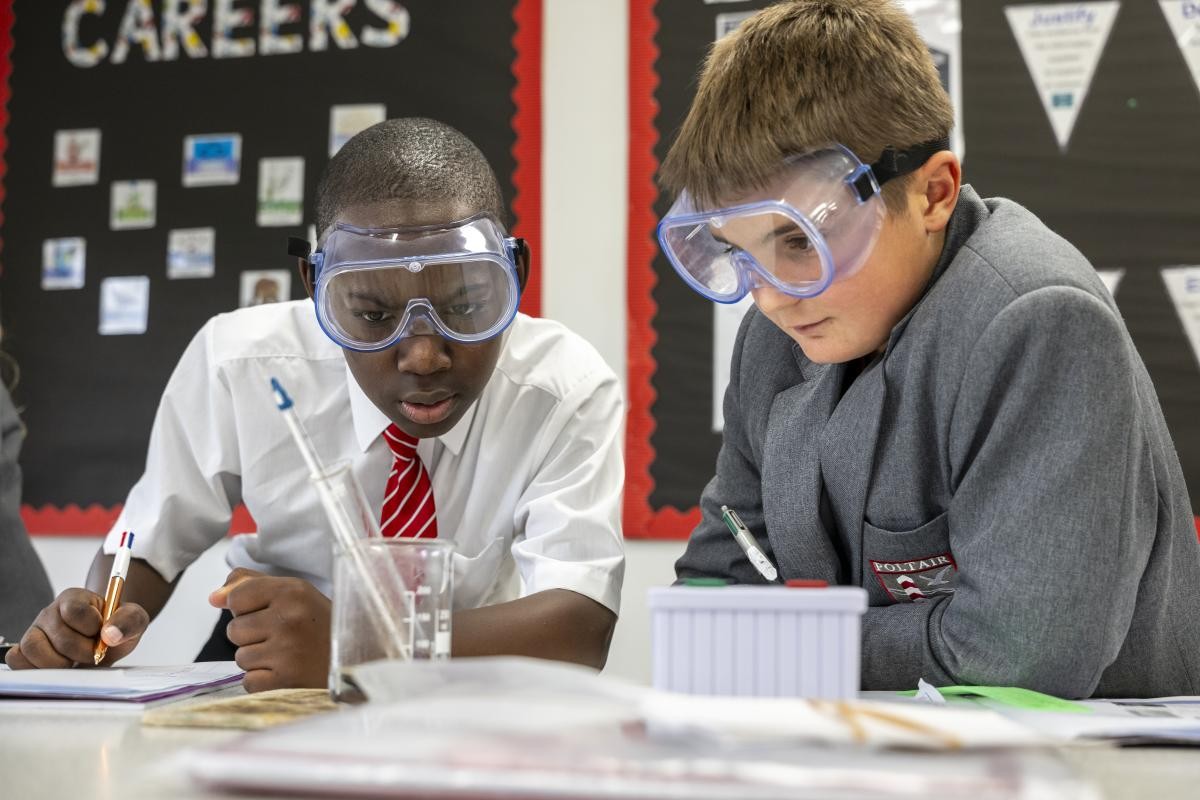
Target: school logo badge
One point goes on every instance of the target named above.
(918, 578)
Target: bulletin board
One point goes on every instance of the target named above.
(259, 82)
(1121, 187)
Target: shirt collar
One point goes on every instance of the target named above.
(370, 422)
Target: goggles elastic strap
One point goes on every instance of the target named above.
(300, 248)
(894, 163)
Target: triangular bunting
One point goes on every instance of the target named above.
(1184, 18)
(1062, 43)
(1111, 278)
(1183, 284)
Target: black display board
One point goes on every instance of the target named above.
(88, 399)
(1124, 193)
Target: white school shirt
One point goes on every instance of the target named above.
(528, 483)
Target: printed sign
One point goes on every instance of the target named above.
(265, 286)
(1062, 43)
(1183, 284)
(1184, 18)
(280, 191)
(728, 22)
(133, 205)
(940, 24)
(76, 157)
(190, 253)
(212, 159)
(124, 305)
(63, 263)
(1111, 278)
(345, 121)
(918, 578)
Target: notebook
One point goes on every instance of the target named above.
(130, 687)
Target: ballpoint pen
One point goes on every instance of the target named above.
(746, 539)
(112, 596)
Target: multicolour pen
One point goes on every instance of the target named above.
(112, 596)
(746, 539)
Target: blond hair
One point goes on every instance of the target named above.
(801, 74)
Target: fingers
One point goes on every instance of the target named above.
(64, 632)
(250, 629)
(123, 632)
(260, 680)
(81, 611)
(40, 652)
(218, 597)
(262, 591)
(15, 659)
(126, 624)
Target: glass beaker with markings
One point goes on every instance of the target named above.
(391, 599)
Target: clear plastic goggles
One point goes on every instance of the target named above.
(818, 221)
(375, 286)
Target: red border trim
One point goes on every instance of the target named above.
(641, 521)
(96, 520)
(527, 148)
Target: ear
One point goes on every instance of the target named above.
(306, 275)
(523, 261)
(937, 184)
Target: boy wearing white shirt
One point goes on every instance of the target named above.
(461, 419)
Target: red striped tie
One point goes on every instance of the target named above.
(408, 508)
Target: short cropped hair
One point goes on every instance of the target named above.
(802, 74)
(407, 159)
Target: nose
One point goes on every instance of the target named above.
(770, 300)
(423, 354)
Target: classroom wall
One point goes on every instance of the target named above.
(583, 263)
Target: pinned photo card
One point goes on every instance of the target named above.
(1184, 18)
(64, 262)
(259, 287)
(280, 191)
(212, 159)
(1062, 44)
(1183, 285)
(124, 305)
(76, 157)
(345, 121)
(133, 205)
(191, 253)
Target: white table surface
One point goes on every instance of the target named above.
(111, 756)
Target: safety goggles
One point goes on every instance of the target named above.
(819, 221)
(375, 286)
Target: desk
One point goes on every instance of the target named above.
(110, 756)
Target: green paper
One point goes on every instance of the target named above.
(1013, 696)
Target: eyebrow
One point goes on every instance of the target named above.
(785, 227)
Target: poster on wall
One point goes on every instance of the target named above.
(680, 345)
(76, 157)
(1062, 44)
(1184, 18)
(1183, 284)
(192, 157)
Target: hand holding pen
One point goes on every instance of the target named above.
(80, 624)
(112, 595)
